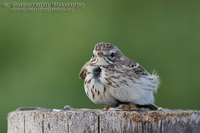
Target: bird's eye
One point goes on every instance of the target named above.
(112, 55)
(93, 55)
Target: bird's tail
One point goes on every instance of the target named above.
(155, 80)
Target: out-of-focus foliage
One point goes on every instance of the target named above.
(41, 54)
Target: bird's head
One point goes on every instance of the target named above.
(106, 54)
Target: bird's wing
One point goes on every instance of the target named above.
(136, 87)
(83, 71)
(136, 67)
(140, 70)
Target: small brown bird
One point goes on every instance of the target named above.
(112, 79)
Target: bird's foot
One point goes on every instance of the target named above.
(106, 108)
(128, 108)
(132, 107)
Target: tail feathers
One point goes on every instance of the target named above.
(152, 81)
(150, 106)
(155, 80)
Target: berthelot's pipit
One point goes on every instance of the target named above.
(112, 79)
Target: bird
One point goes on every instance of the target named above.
(113, 80)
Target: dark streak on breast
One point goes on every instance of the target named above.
(97, 72)
(89, 81)
(115, 83)
(93, 96)
(104, 90)
(88, 72)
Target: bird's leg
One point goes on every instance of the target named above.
(106, 108)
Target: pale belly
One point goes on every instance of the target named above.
(102, 91)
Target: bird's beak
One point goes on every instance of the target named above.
(100, 54)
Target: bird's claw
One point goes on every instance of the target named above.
(106, 108)
(128, 108)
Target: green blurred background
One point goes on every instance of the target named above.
(41, 54)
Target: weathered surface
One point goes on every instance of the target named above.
(37, 120)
